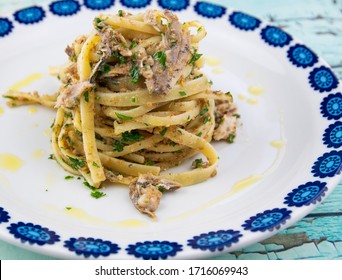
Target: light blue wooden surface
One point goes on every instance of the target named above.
(318, 23)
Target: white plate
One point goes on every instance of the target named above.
(284, 92)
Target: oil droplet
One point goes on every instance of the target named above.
(10, 162)
(242, 184)
(1, 111)
(32, 110)
(278, 144)
(37, 154)
(131, 223)
(256, 90)
(241, 97)
(252, 101)
(82, 215)
(212, 61)
(218, 70)
(250, 75)
(27, 81)
(47, 132)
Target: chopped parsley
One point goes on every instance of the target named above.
(68, 208)
(105, 68)
(199, 134)
(118, 146)
(97, 194)
(120, 13)
(206, 119)
(197, 163)
(182, 93)
(150, 162)
(97, 21)
(76, 163)
(161, 189)
(134, 73)
(94, 192)
(132, 136)
(133, 99)
(231, 138)
(95, 164)
(133, 44)
(161, 57)
(121, 58)
(123, 117)
(68, 177)
(204, 111)
(86, 96)
(196, 56)
(162, 133)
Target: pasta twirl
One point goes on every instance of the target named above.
(133, 103)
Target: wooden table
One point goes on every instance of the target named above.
(318, 23)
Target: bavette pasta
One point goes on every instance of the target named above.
(133, 103)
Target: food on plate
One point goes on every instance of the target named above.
(134, 103)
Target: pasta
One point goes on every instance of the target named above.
(133, 103)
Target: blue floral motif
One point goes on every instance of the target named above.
(135, 3)
(174, 5)
(267, 220)
(91, 247)
(64, 7)
(209, 10)
(306, 194)
(243, 21)
(33, 234)
(217, 240)
(301, 56)
(29, 15)
(333, 135)
(6, 27)
(4, 217)
(154, 250)
(331, 106)
(98, 4)
(328, 165)
(275, 37)
(322, 79)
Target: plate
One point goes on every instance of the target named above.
(286, 157)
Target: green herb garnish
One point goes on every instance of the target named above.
(197, 163)
(162, 133)
(150, 162)
(118, 146)
(95, 164)
(132, 136)
(196, 56)
(231, 138)
(76, 163)
(161, 57)
(204, 111)
(134, 73)
(86, 96)
(123, 117)
(68, 177)
(182, 93)
(121, 58)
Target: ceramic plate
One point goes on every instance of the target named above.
(286, 158)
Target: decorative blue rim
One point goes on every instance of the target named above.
(30, 15)
(319, 77)
(64, 7)
(215, 240)
(98, 5)
(154, 250)
(91, 247)
(33, 234)
(174, 5)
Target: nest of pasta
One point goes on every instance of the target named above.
(133, 103)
